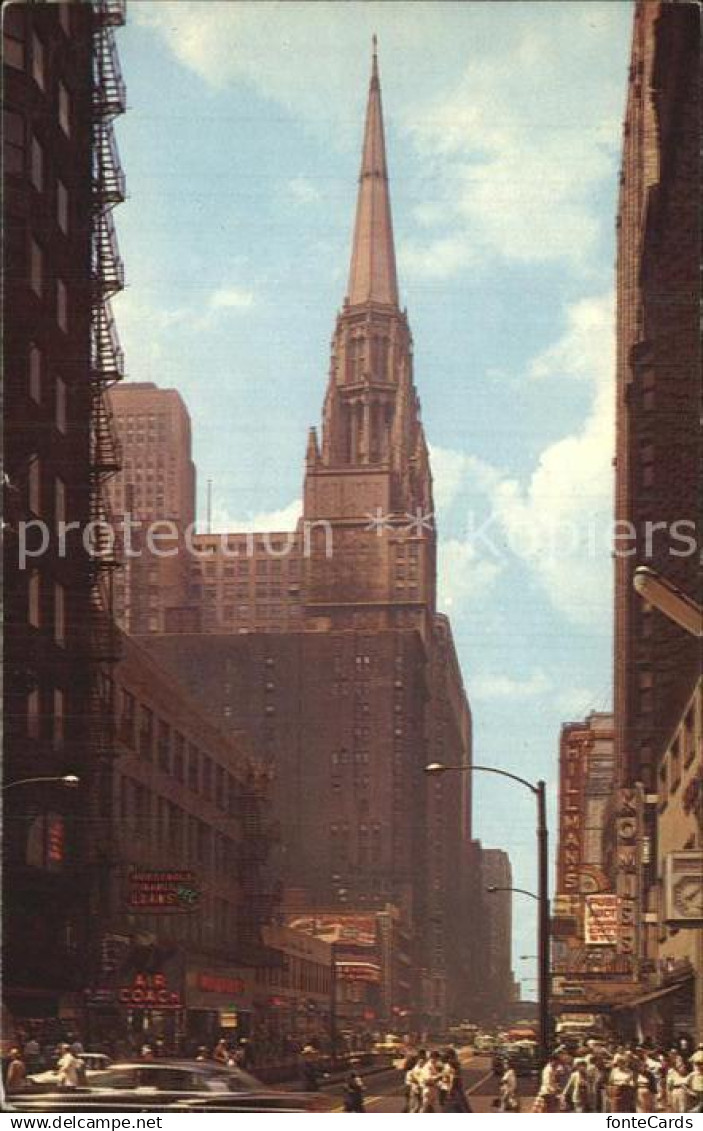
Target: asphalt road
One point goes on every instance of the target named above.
(384, 1090)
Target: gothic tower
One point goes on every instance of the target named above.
(369, 479)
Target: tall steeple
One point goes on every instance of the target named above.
(372, 458)
(372, 274)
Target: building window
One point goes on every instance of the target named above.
(62, 305)
(13, 36)
(59, 500)
(34, 599)
(178, 757)
(146, 731)
(59, 614)
(164, 747)
(14, 140)
(35, 368)
(36, 268)
(60, 404)
(34, 486)
(36, 168)
(65, 17)
(38, 62)
(58, 718)
(33, 717)
(193, 768)
(64, 110)
(647, 462)
(62, 206)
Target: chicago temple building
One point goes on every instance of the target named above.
(249, 840)
(323, 645)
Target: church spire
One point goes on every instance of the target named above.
(372, 275)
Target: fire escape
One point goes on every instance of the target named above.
(106, 368)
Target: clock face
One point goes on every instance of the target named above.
(688, 897)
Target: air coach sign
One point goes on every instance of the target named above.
(149, 991)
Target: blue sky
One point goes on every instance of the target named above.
(503, 125)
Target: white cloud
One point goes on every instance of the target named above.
(231, 298)
(557, 522)
(506, 687)
(303, 190)
(285, 519)
(464, 578)
(515, 152)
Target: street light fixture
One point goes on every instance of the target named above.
(71, 781)
(521, 891)
(539, 792)
(669, 599)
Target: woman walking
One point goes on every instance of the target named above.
(452, 1086)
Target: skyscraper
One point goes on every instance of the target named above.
(62, 89)
(361, 688)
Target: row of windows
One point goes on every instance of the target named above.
(170, 829)
(296, 974)
(19, 51)
(175, 755)
(24, 159)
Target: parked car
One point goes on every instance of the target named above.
(182, 1085)
(93, 1062)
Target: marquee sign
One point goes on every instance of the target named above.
(149, 991)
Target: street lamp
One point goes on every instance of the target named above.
(669, 599)
(539, 792)
(71, 781)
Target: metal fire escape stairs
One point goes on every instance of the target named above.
(106, 366)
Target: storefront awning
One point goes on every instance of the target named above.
(655, 995)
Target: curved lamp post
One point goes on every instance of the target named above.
(539, 792)
(69, 780)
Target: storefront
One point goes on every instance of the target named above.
(219, 1003)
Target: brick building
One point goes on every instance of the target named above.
(658, 378)
(658, 462)
(152, 500)
(326, 647)
(62, 89)
(497, 932)
(190, 810)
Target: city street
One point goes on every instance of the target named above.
(352, 595)
(384, 1092)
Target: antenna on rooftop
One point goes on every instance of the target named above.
(209, 506)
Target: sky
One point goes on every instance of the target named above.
(241, 146)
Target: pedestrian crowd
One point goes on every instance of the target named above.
(433, 1083)
(615, 1079)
